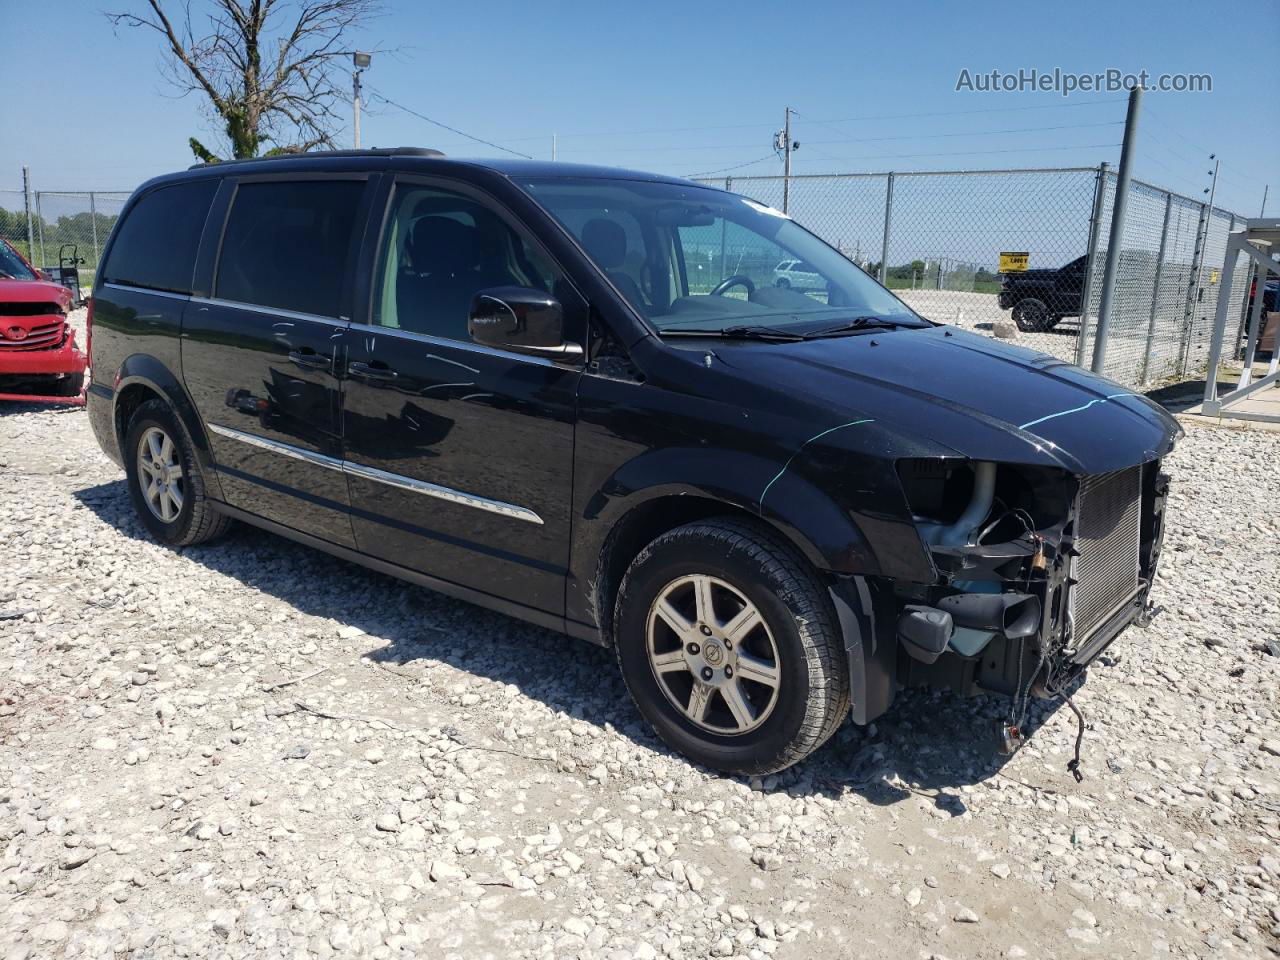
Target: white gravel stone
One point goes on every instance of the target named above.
(519, 807)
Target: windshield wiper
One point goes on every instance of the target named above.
(741, 332)
(859, 323)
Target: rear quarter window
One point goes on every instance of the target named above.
(287, 244)
(155, 247)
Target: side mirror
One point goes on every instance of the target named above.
(520, 319)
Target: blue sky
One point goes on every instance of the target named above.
(684, 88)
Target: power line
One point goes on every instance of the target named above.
(445, 126)
(974, 133)
(1235, 174)
(968, 153)
(922, 136)
(736, 166)
(955, 113)
(768, 125)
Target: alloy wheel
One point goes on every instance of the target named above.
(713, 655)
(160, 474)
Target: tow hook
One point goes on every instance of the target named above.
(1008, 738)
(1146, 615)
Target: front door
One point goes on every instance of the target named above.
(460, 457)
(262, 355)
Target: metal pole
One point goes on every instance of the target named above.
(1199, 270)
(1095, 231)
(1265, 188)
(1119, 208)
(553, 147)
(888, 221)
(1155, 289)
(786, 162)
(26, 202)
(40, 230)
(1197, 252)
(93, 223)
(1219, 328)
(355, 106)
(1251, 278)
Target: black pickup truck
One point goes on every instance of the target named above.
(1040, 298)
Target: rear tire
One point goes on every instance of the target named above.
(164, 479)
(1033, 316)
(790, 690)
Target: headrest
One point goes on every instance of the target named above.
(443, 245)
(606, 241)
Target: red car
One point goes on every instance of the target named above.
(39, 359)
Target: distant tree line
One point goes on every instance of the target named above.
(74, 228)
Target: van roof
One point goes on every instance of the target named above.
(410, 158)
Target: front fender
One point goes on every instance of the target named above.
(810, 520)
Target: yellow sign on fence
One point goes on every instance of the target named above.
(1013, 262)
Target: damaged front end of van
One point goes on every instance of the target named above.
(1038, 571)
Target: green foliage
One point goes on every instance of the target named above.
(202, 153)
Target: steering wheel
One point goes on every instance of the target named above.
(728, 282)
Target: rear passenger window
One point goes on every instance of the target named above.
(286, 244)
(156, 245)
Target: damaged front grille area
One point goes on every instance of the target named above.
(42, 336)
(1106, 570)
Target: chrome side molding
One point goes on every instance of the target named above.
(381, 476)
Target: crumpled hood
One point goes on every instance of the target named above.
(973, 395)
(34, 291)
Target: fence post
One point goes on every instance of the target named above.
(26, 202)
(1155, 289)
(1119, 211)
(1193, 287)
(93, 221)
(1095, 224)
(888, 220)
(40, 230)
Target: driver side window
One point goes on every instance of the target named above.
(439, 249)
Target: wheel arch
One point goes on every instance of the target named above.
(665, 509)
(142, 378)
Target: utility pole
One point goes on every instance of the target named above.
(553, 147)
(1212, 190)
(1118, 210)
(26, 201)
(1266, 187)
(361, 61)
(782, 141)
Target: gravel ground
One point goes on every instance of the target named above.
(252, 749)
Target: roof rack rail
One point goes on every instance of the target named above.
(335, 154)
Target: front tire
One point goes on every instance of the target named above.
(728, 642)
(164, 479)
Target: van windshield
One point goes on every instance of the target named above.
(692, 258)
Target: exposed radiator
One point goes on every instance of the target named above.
(1108, 531)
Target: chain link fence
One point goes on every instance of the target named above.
(62, 224)
(936, 238)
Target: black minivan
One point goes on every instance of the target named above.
(580, 396)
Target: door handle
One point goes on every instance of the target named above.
(312, 361)
(367, 372)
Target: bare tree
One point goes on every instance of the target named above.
(269, 68)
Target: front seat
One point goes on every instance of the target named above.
(436, 297)
(606, 242)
